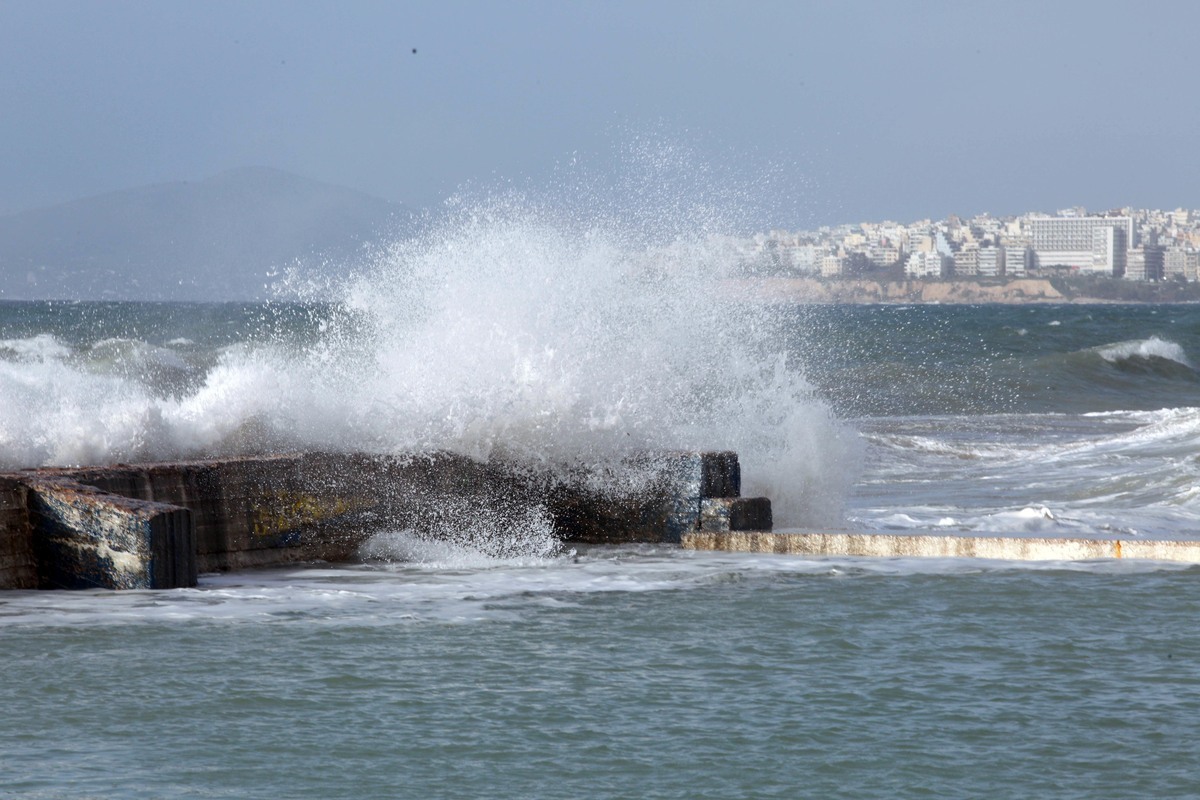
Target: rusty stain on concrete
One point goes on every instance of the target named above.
(284, 511)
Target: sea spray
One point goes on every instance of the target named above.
(462, 532)
(517, 332)
(562, 330)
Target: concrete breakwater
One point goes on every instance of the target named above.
(882, 545)
(154, 526)
(160, 525)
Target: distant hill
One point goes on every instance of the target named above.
(217, 239)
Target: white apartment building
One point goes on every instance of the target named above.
(1181, 262)
(882, 255)
(926, 264)
(1135, 265)
(832, 266)
(966, 261)
(806, 257)
(1073, 242)
(1109, 246)
(990, 261)
(1016, 259)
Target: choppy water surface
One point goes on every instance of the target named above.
(520, 334)
(612, 673)
(437, 672)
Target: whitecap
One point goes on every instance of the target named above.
(1154, 347)
(35, 349)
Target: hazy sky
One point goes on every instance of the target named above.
(857, 110)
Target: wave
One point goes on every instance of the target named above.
(1143, 373)
(1144, 350)
(40, 348)
(509, 328)
(884, 361)
(1126, 473)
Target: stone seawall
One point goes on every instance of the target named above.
(154, 526)
(160, 525)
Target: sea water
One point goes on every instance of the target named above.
(428, 670)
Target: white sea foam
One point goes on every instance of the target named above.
(467, 592)
(470, 532)
(517, 334)
(136, 353)
(504, 547)
(1128, 473)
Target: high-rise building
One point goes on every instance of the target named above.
(1016, 259)
(1180, 263)
(966, 261)
(1073, 242)
(990, 261)
(1109, 245)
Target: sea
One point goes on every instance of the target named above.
(439, 670)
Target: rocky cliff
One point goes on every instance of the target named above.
(811, 290)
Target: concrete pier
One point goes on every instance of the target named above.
(158, 526)
(879, 545)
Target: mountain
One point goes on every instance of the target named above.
(218, 239)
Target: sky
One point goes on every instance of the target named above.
(851, 110)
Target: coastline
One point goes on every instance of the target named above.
(862, 291)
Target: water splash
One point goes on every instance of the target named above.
(514, 330)
(572, 326)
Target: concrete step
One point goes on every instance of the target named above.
(880, 545)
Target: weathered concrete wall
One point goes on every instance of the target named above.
(888, 545)
(254, 511)
(128, 525)
(18, 568)
(261, 511)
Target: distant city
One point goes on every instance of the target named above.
(1127, 243)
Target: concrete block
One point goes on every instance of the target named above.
(681, 514)
(86, 538)
(691, 479)
(650, 497)
(700, 474)
(735, 514)
(720, 474)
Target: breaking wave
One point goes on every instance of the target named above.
(544, 331)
